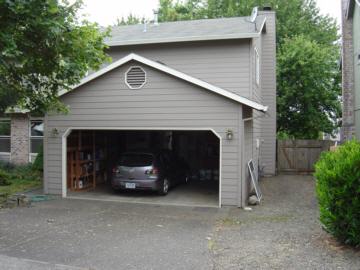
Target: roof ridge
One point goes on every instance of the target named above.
(190, 20)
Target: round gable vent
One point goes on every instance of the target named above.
(135, 77)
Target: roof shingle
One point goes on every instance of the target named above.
(179, 31)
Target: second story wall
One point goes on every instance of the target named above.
(223, 63)
(356, 32)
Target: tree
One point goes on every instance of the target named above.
(294, 17)
(308, 88)
(44, 49)
(299, 23)
(129, 20)
(179, 11)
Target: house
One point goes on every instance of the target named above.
(205, 89)
(350, 69)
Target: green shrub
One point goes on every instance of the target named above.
(6, 166)
(25, 172)
(19, 172)
(4, 178)
(338, 190)
(38, 164)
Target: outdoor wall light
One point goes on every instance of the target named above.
(229, 134)
(54, 132)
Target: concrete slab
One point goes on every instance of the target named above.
(199, 194)
(107, 235)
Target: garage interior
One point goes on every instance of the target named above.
(93, 154)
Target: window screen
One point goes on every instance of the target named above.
(36, 136)
(5, 131)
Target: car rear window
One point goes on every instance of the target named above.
(136, 160)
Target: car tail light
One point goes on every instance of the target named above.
(115, 170)
(153, 171)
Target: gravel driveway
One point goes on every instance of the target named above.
(282, 233)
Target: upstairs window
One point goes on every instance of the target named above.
(135, 77)
(257, 67)
(5, 133)
(36, 136)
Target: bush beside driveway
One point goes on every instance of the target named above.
(282, 233)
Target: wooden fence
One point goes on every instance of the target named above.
(299, 156)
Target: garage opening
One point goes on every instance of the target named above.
(173, 167)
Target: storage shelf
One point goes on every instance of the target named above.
(77, 166)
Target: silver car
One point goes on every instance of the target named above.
(147, 171)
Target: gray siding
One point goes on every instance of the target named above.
(230, 65)
(255, 125)
(248, 154)
(222, 63)
(164, 102)
(268, 94)
(263, 127)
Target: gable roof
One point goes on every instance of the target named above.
(174, 73)
(192, 30)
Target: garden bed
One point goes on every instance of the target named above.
(17, 179)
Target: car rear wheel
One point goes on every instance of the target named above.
(164, 188)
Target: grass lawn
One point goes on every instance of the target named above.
(20, 185)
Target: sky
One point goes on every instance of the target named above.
(105, 12)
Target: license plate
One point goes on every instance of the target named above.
(130, 185)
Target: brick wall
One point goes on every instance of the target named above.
(348, 129)
(20, 138)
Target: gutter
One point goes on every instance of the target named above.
(183, 39)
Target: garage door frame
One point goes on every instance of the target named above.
(68, 131)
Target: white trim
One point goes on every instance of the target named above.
(126, 74)
(257, 66)
(182, 39)
(248, 119)
(32, 156)
(68, 131)
(262, 26)
(172, 72)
